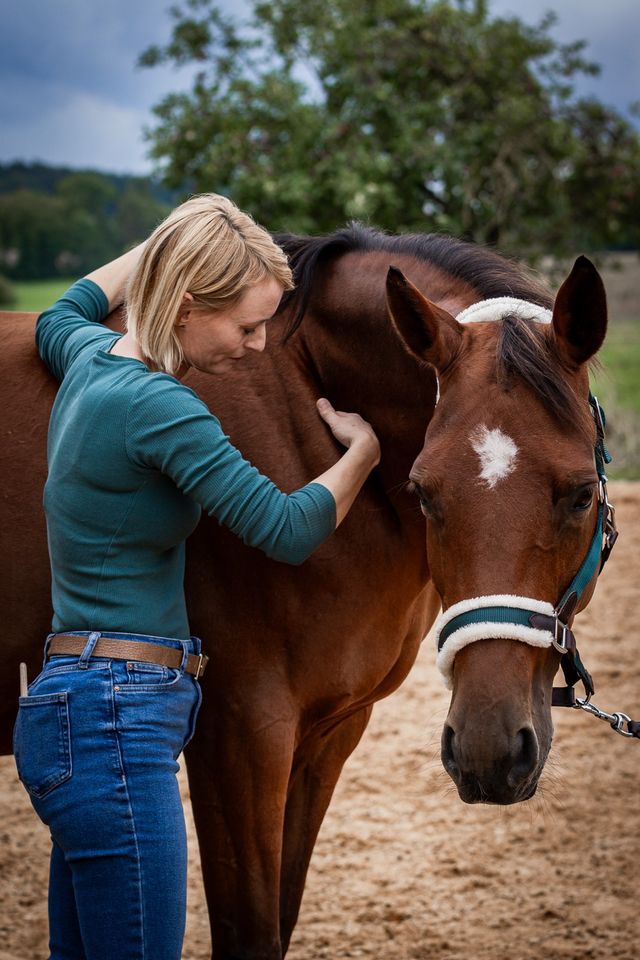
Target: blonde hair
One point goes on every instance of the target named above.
(206, 247)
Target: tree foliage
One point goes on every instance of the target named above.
(65, 223)
(410, 114)
(7, 293)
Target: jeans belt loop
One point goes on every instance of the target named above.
(46, 649)
(92, 639)
(185, 654)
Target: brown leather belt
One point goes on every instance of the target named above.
(68, 643)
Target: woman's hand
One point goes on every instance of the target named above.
(112, 277)
(345, 478)
(349, 429)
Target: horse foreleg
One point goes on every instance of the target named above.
(317, 766)
(239, 769)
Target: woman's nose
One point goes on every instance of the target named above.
(257, 341)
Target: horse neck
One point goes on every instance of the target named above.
(357, 358)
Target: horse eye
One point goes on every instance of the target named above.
(421, 493)
(584, 500)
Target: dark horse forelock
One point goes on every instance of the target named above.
(524, 349)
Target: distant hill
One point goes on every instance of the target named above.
(42, 178)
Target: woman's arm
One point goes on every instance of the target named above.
(112, 277)
(170, 429)
(74, 322)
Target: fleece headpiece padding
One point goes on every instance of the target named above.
(487, 630)
(486, 311)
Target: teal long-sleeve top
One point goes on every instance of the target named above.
(134, 457)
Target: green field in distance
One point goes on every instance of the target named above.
(37, 295)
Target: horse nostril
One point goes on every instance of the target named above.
(525, 755)
(449, 761)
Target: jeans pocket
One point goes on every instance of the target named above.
(144, 676)
(42, 742)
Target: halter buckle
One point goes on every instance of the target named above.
(610, 528)
(559, 641)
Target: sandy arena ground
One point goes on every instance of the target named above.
(403, 870)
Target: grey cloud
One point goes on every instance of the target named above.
(612, 32)
(67, 68)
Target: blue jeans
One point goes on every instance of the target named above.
(96, 743)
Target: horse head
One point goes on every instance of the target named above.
(508, 484)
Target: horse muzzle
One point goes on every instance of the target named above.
(506, 773)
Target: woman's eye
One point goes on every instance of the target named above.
(249, 331)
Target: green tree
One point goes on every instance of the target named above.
(88, 190)
(137, 213)
(32, 233)
(7, 293)
(411, 114)
(79, 221)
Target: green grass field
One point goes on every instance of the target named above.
(37, 295)
(617, 386)
(620, 359)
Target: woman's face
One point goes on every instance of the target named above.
(212, 341)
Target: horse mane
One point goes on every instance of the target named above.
(489, 273)
(524, 350)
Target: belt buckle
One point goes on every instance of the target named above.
(203, 660)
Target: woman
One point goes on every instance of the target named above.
(134, 456)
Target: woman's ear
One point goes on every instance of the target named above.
(183, 313)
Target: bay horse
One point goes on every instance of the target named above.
(299, 655)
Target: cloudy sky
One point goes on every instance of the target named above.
(70, 92)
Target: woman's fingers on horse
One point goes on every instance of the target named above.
(324, 407)
(334, 417)
(346, 427)
(326, 410)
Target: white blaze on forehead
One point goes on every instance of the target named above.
(497, 454)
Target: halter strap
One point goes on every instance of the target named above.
(536, 622)
(500, 616)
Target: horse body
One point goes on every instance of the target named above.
(298, 671)
(299, 655)
(27, 394)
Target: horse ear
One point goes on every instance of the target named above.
(580, 313)
(427, 331)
